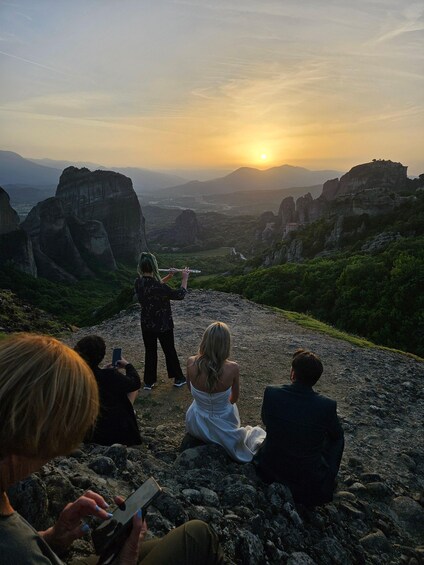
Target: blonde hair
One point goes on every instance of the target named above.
(214, 350)
(48, 397)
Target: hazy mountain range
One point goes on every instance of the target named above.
(248, 179)
(15, 170)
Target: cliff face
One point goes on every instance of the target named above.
(15, 245)
(109, 198)
(185, 232)
(377, 174)
(94, 220)
(371, 188)
(55, 251)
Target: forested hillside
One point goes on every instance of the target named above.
(371, 286)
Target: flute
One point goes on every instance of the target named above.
(196, 271)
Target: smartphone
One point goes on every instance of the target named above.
(116, 355)
(110, 536)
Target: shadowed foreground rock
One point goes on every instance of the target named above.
(256, 523)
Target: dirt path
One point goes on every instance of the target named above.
(380, 394)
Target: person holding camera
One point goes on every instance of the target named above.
(48, 400)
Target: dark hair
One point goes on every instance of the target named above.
(307, 367)
(92, 349)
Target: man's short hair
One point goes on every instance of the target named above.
(307, 367)
(92, 349)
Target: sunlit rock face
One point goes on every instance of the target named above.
(15, 245)
(109, 198)
(377, 174)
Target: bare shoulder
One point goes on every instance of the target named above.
(191, 361)
(232, 367)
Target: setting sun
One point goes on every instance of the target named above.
(264, 156)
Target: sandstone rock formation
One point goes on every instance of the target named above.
(92, 241)
(287, 211)
(55, 252)
(94, 221)
(15, 245)
(371, 188)
(107, 197)
(185, 232)
(377, 174)
(267, 226)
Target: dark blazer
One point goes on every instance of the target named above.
(304, 441)
(116, 422)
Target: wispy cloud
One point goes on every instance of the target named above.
(411, 19)
(35, 63)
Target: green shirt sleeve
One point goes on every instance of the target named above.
(20, 543)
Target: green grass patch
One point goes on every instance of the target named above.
(311, 323)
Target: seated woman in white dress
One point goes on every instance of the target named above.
(214, 383)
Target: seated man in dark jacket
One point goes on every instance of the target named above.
(304, 442)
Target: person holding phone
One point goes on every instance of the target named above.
(154, 296)
(48, 400)
(118, 384)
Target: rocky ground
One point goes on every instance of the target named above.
(377, 515)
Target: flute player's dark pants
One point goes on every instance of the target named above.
(166, 340)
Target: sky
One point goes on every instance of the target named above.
(213, 84)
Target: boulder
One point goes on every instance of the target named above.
(375, 542)
(410, 515)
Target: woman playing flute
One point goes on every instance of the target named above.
(154, 296)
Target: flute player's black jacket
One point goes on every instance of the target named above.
(154, 298)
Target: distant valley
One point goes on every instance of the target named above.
(244, 191)
(347, 249)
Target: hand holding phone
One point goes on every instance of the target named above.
(130, 551)
(110, 536)
(116, 355)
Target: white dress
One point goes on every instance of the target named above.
(212, 418)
